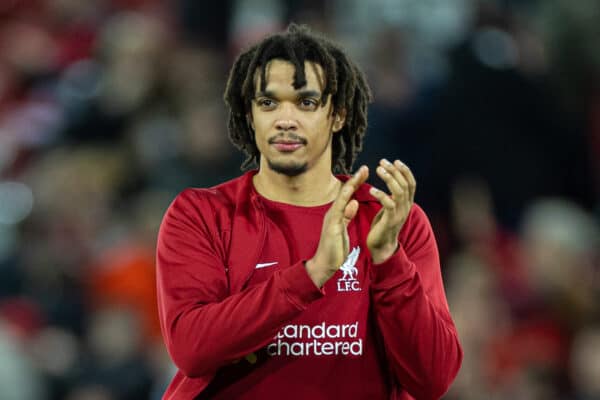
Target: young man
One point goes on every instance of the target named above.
(292, 282)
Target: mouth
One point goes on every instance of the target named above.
(287, 145)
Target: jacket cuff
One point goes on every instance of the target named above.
(393, 271)
(298, 286)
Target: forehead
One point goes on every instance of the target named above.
(279, 74)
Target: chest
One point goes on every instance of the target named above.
(289, 242)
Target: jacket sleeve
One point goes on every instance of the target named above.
(203, 326)
(412, 313)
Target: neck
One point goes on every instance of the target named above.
(311, 188)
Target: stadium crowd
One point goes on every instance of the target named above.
(109, 108)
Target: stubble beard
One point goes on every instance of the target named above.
(290, 170)
(296, 168)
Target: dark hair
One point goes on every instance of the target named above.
(343, 80)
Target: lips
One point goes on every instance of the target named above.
(287, 144)
(287, 147)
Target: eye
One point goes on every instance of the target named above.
(266, 103)
(309, 104)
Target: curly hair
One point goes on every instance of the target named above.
(344, 81)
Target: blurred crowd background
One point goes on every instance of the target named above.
(109, 108)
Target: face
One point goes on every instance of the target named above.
(293, 131)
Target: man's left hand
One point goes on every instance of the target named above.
(382, 240)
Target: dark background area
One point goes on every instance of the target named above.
(109, 108)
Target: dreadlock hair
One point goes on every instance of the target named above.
(344, 81)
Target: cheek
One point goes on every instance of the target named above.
(261, 128)
(322, 128)
(261, 142)
(259, 119)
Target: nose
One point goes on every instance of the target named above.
(285, 118)
(286, 125)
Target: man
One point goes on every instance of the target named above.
(291, 282)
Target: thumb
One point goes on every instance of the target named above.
(350, 211)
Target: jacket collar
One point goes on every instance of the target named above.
(246, 188)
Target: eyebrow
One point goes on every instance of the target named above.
(301, 93)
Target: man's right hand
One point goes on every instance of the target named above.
(334, 244)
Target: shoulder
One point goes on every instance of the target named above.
(210, 207)
(222, 195)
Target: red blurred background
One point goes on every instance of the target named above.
(109, 108)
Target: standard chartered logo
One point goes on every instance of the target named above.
(317, 340)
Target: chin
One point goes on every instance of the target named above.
(288, 169)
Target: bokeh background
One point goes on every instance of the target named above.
(109, 108)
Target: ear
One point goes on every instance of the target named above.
(339, 118)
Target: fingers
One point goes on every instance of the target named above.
(403, 182)
(399, 180)
(350, 211)
(393, 179)
(408, 175)
(345, 194)
(385, 200)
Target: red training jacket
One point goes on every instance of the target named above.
(209, 243)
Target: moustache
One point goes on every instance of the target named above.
(292, 137)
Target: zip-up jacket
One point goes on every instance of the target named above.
(213, 314)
